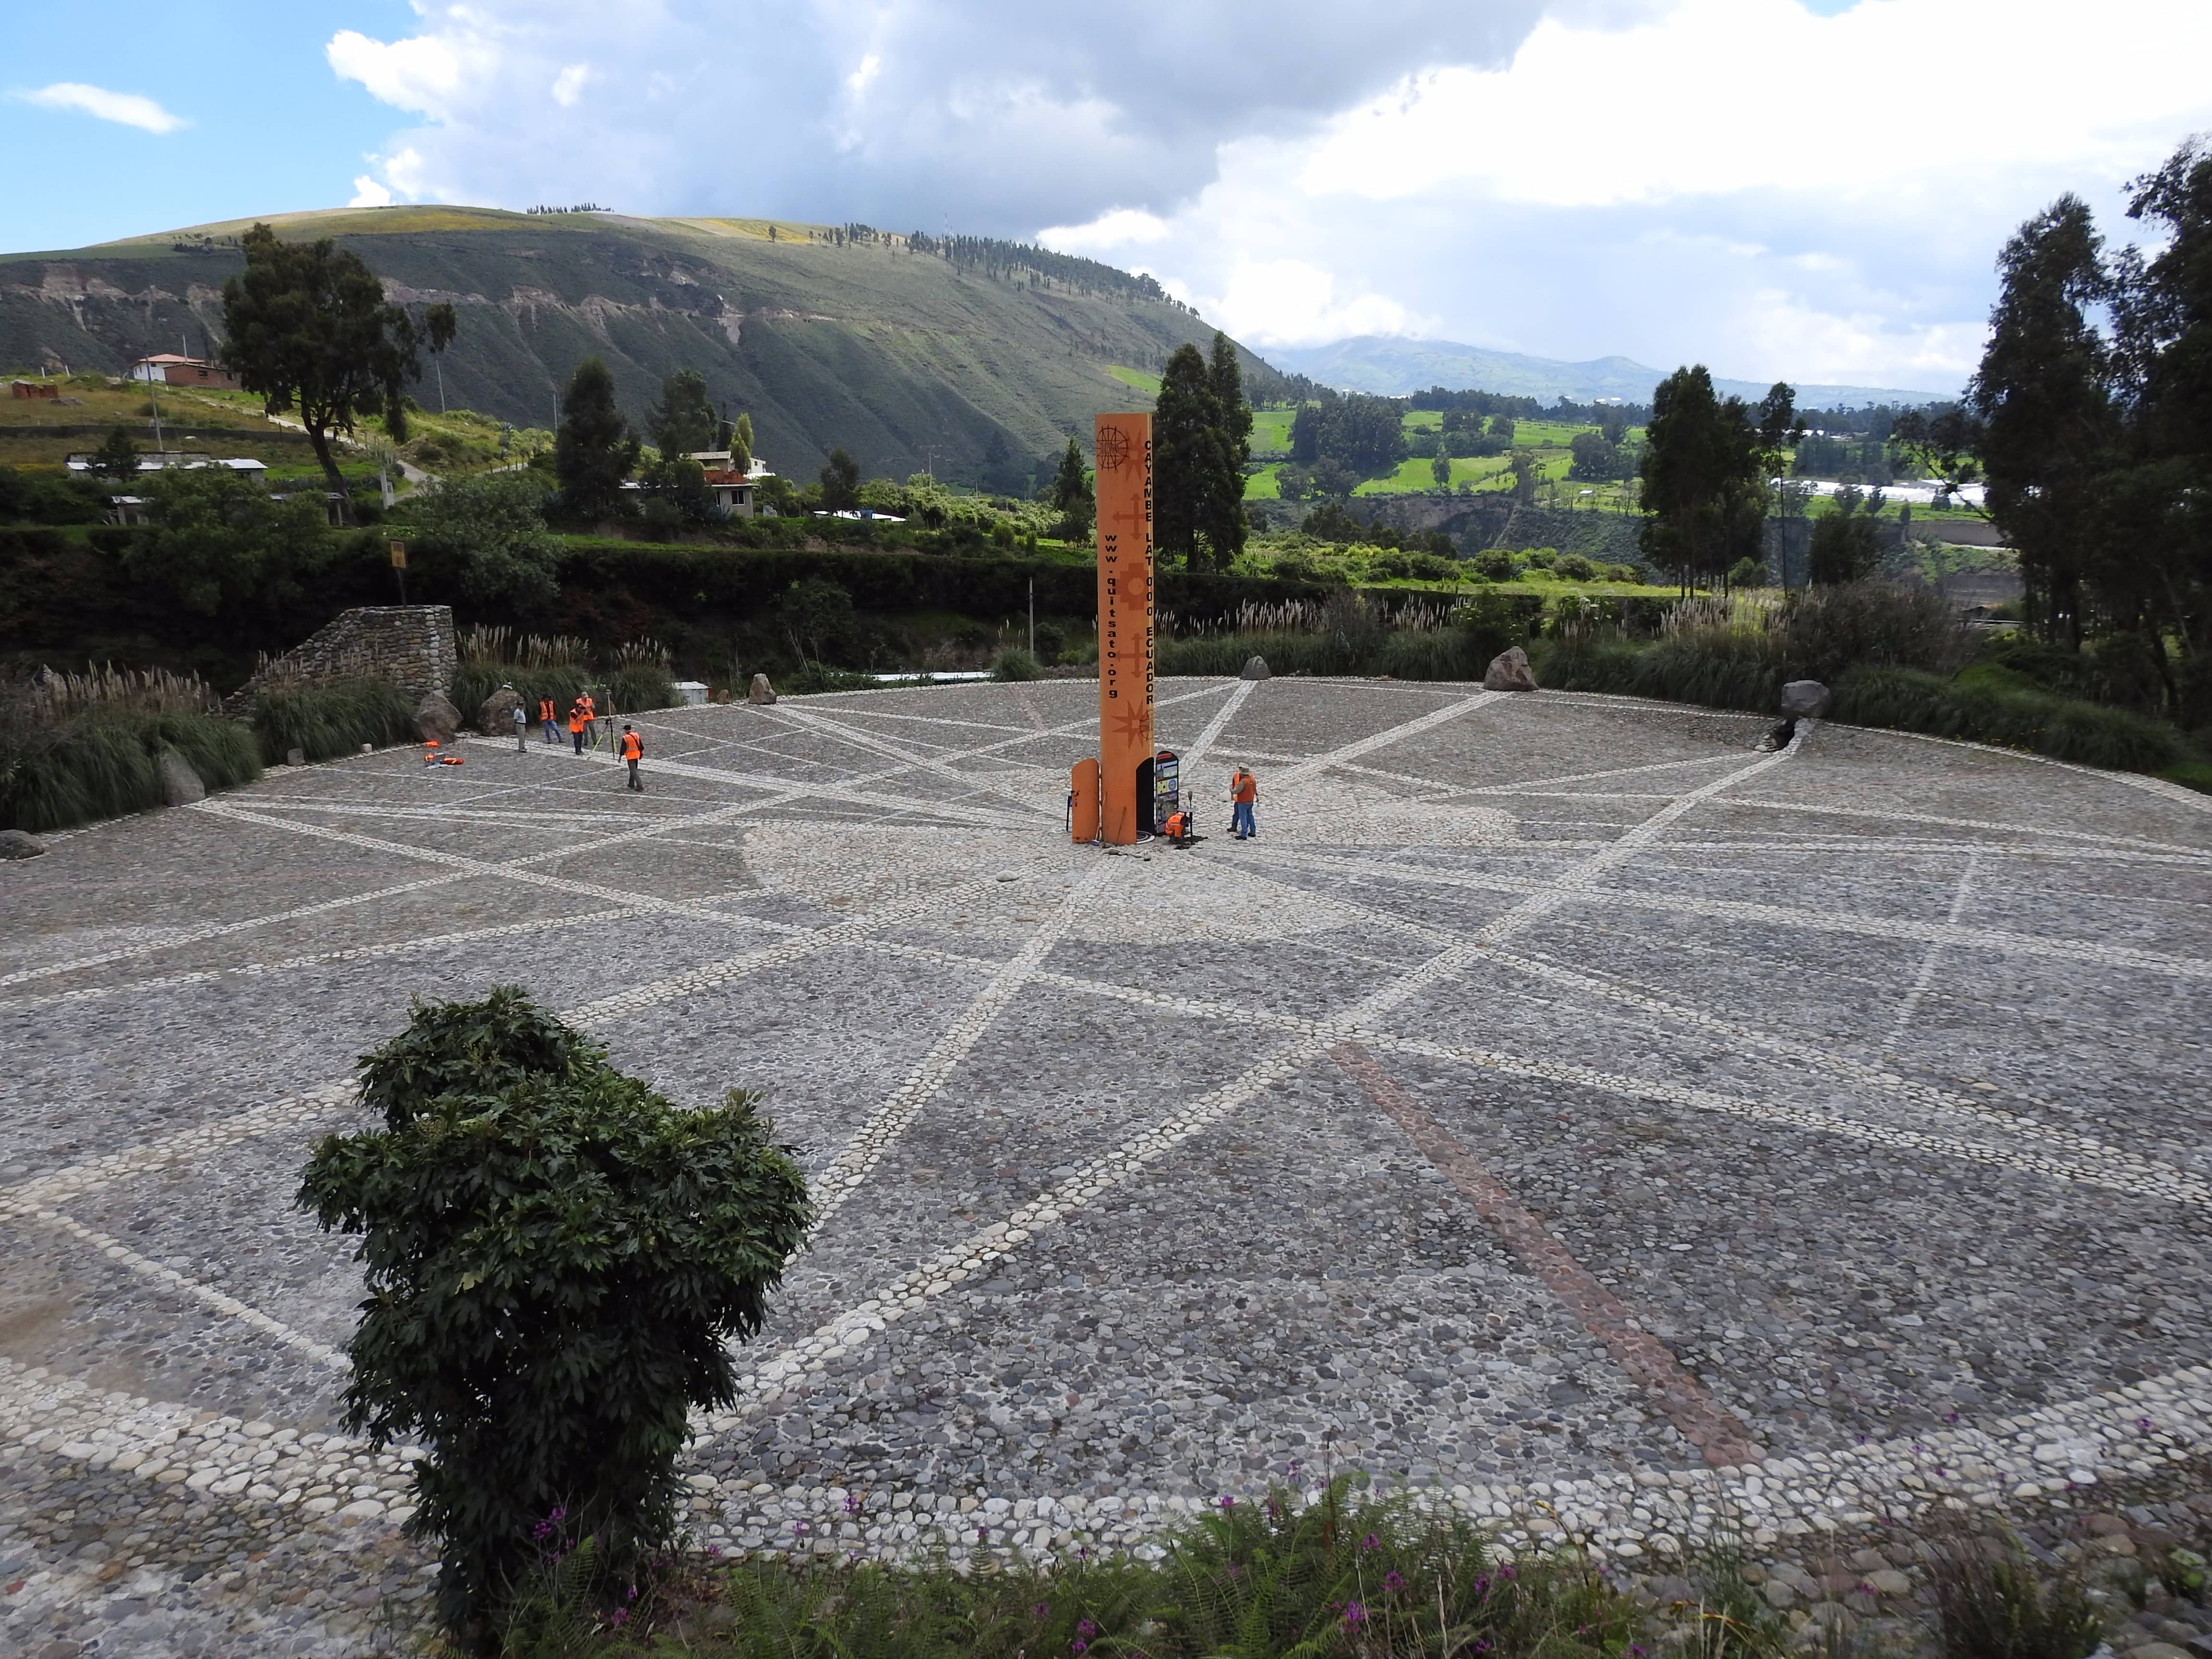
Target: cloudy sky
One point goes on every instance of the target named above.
(1808, 189)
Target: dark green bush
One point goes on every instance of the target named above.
(474, 681)
(2064, 728)
(1015, 662)
(324, 722)
(636, 686)
(103, 765)
(558, 1260)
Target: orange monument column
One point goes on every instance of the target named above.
(1125, 626)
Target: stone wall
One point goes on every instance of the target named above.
(410, 646)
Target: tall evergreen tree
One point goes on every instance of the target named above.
(1186, 453)
(2043, 395)
(594, 450)
(1224, 523)
(1071, 494)
(1705, 467)
(741, 444)
(841, 481)
(684, 421)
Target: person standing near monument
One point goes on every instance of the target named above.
(579, 717)
(521, 730)
(633, 751)
(549, 718)
(1243, 794)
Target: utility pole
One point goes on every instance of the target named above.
(1033, 616)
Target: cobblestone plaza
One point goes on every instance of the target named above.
(1561, 1106)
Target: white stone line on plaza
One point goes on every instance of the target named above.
(1933, 956)
(175, 1445)
(1439, 790)
(613, 897)
(1894, 815)
(849, 789)
(217, 929)
(2133, 1433)
(2001, 941)
(976, 1254)
(222, 1302)
(1742, 1040)
(2092, 1164)
(2177, 794)
(1317, 764)
(874, 743)
(1202, 744)
(513, 817)
(692, 981)
(194, 935)
(883, 1127)
(323, 958)
(197, 1144)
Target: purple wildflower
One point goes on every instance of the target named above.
(1086, 1629)
(1370, 1542)
(1226, 1503)
(619, 1616)
(1041, 1610)
(1354, 1615)
(1394, 1581)
(852, 1503)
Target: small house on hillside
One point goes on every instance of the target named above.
(167, 369)
(736, 493)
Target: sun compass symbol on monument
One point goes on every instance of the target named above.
(1131, 724)
(1113, 449)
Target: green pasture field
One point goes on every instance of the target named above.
(1135, 379)
(1271, 431)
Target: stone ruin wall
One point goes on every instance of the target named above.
(410, 645)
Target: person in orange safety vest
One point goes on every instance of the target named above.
(579, 718)
(633, 751)
(1243, 791)
(548, 719)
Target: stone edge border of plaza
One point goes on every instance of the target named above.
(2129, 1433)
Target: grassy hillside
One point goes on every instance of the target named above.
(980, 368)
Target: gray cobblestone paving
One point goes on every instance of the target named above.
(1870, 1079)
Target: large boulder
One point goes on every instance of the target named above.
(497, 718)
(1255, 668)
(180, 785)
(1509, 671)
(15, 844)
(1804, 700)
(436, 720)
(762, 691)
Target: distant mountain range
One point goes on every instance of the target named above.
(1392, 368)
(974, 360)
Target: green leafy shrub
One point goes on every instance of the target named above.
(1493, 564)
(324, 722)
(105, 764)
(634, 687)
(1574, 567)
(557, 1260)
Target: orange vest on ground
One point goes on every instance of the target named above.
(1246, 788)
(633, 746)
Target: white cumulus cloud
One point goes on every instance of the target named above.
(368, 192)
(124, 108)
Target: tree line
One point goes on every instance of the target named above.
(2090, 422)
